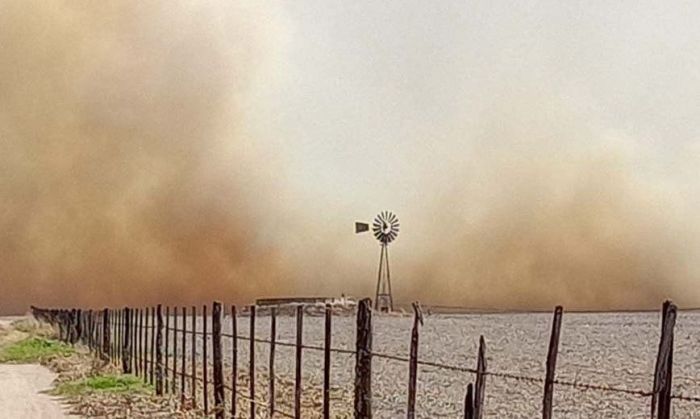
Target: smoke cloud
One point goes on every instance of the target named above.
(179, 153)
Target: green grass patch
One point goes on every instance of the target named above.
(110, 383)
(33, 350)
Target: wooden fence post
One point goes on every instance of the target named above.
(145, 335)
(271, 367)
(153, 345)
(105, 333)
(363, 361)
(183, 366)
(205, 367)
(117, 336)
(159, 350)
(86, 335)
(413, 362)
(173, 384)
(551, 364)
(143, 345)
(480, 384)
(126, 346)
(327, 363)
(114, 330)
(251, 364)
(193, 355)
(234, 360)
(133, 340)
(297, 375)
(118, 332)
(469, 403)
(218, 372)
(78, 325)
(146, 340)
(138, 350)
(663, 374)
(166, 372)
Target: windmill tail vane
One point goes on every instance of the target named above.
(361, 227)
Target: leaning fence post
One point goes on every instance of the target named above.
(480, 384)
(469, 403)
(413, 362)
(363, 361)
(126, 350)
(661, 396)
(551, 364)
(105, 332)
(297, 375)
(218, 373)
(159, 351)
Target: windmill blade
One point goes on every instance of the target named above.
(384, 227)
(361, 227)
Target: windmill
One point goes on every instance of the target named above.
(385, 228)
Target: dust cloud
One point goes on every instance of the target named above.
(123, 162)
(128, 176)
(548, 208)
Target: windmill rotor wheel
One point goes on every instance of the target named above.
(385, 227)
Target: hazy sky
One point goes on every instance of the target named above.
(395, 104)
(535, 152)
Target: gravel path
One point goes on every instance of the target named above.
(22, 395)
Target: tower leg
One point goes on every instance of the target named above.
(388, 279)
(379, 278)
(383, 298)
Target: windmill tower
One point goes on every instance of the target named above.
(385, 228)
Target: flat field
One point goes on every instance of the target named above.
(607, 349)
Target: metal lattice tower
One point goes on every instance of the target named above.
(385, 228)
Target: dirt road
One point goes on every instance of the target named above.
(22, 394)
(23, 387)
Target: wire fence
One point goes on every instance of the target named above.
(170, 350)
